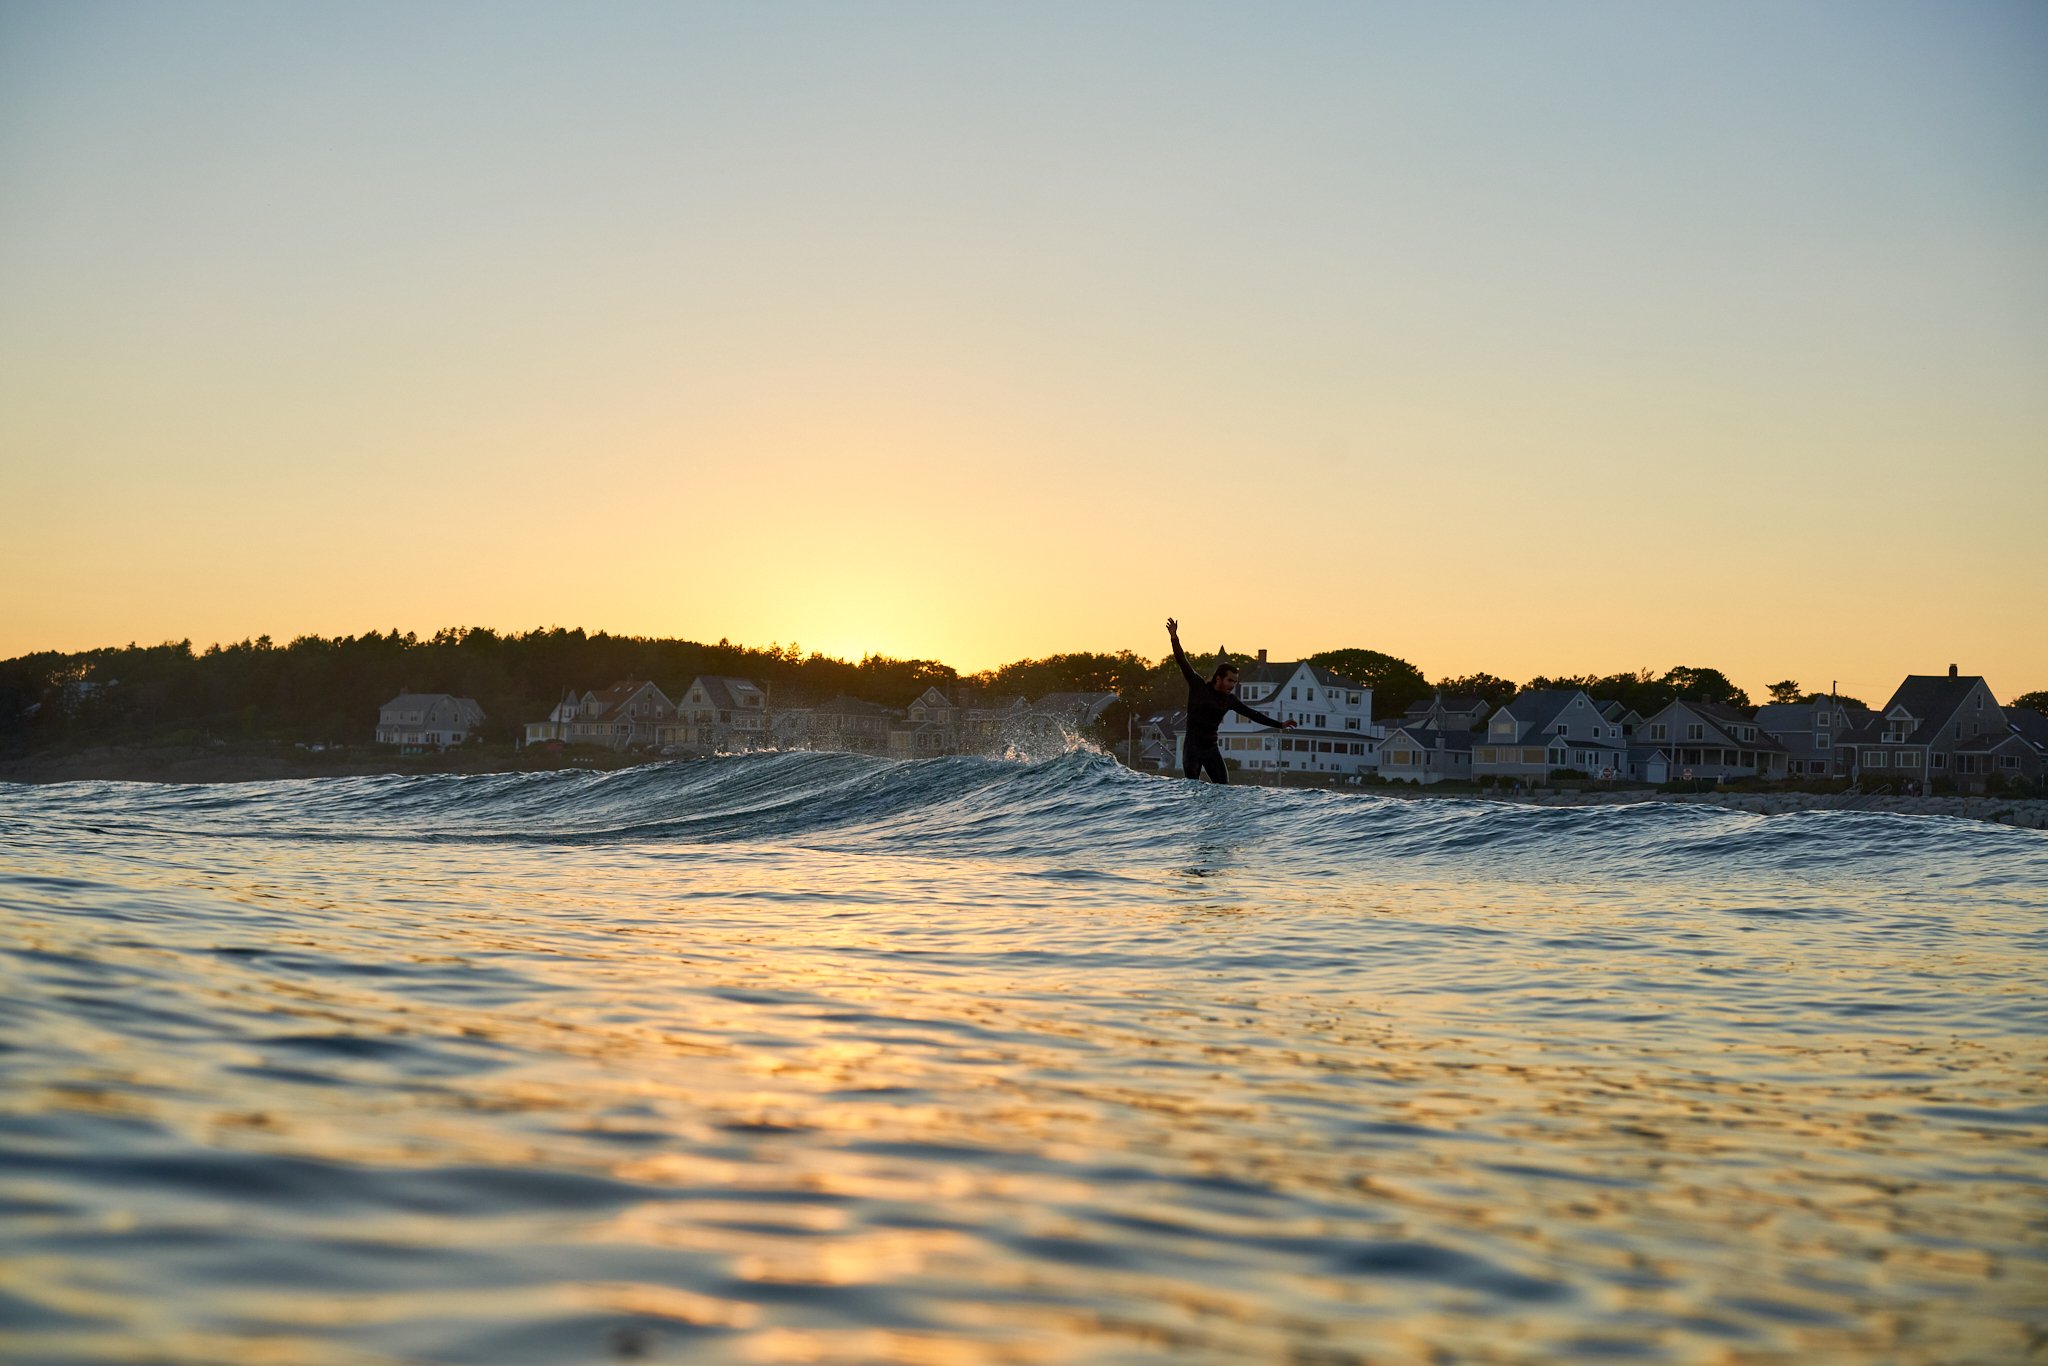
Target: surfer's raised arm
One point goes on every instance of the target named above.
(1180, 656)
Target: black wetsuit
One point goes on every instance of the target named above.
(1207, 706)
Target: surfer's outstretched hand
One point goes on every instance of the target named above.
(1173, 628)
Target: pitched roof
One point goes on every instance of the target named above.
(1536, 708)
(1430, 738)
(416, 700)
(1930, 699)
(722, 689)
(1279, 672)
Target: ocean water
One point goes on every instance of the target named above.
(817, 1058)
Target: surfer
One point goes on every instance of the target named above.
(1209, 700)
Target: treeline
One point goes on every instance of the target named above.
(319, 688)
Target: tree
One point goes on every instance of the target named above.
(1495, 689)
(1394, 682)
(1785, 691)
(2033, 701)
(1704, 685)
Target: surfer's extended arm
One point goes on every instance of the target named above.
(1242, 710)
(1180, 656)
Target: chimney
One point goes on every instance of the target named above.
(1262, 658)
(1951, 671)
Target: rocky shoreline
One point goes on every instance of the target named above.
(2027, 813)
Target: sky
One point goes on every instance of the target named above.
(1533, 338)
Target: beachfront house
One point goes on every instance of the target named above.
(1424, 755)
(627, 715)
(718, 714)
(1939, 729)
(1810, 732)
(1695, 741)
(1546, 731)
(1333, 717)
(556, 727)
(1159, 740)
(428, 720)
(930, 726)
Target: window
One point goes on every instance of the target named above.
(1351, 724)
(1351, 699)
(1909, 759)
(1937, 761)
(1564, 730)
(1322, 721)
(1657, 731)
(2008, 761)
(1823, 741)
(1695, 731)
(1823, 720)
(1294, 694)
(1873, 758)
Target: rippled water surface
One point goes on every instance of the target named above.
(817, 1058)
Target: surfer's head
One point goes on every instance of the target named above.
(1225, 678)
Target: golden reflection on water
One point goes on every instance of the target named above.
(919, 1124)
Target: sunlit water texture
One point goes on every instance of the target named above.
(821, 1058)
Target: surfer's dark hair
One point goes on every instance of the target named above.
(1226, 667)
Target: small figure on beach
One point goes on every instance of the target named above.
(1209, 701)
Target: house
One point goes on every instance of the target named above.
(1445, 713)
(845, 724)
(718, 714)
(1938, 729)
(1333, 717)
(1707, 740)
(629, 714)
(930, 726)
(2031, 727)
(556, 727)
(1809, 732)
(1541, 731)
(1620, 714)
(418, 720)
(1421, 754)
(1159, 740)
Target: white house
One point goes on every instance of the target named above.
(421, 719)
(1333, 716)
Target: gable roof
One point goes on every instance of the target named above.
(1536, 708)
(723, 690)
(1430, 738)
(618, 694)
(1930, 699)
